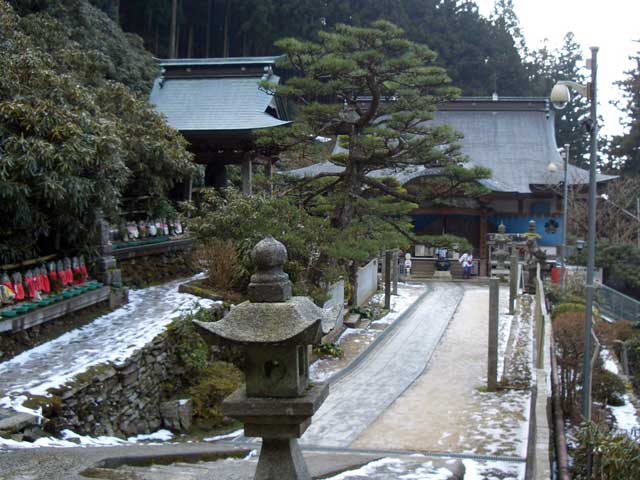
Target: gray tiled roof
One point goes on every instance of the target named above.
(517, 145)
(209, 104)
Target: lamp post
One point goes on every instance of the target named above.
(560, 98)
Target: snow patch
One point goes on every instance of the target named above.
(226, 436)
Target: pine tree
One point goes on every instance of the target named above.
(377, 91)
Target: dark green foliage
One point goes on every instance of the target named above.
(625, 148)
(329, 350)
(230, 215)
(122, 54)
(390, 130)
(71, 139)
(362, 311)
(567, 307)
(218, 380)
(615, 456)
(607, 387)
(192, 351)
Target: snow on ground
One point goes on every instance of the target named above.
(626, 415)
(355, 340)
(408, 293)
(72, 439)
(483, 470)
(227, 436)
(386, 468)
(113, 337)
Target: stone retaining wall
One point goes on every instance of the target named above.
(120, 400)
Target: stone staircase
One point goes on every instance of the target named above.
(423, 269)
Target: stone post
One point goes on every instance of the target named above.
(107, 271)
(247, 176)
(513, 283)
(492, 363)
(387, 280)
(396, 271)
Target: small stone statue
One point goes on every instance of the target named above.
(533, 256)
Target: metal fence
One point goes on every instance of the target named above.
(616, 305)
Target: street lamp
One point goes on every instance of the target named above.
(560, 97)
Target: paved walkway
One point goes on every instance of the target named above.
(109, 338)
(392, 366)
(447, 409)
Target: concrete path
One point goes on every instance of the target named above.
(448, 409)
(357, 399)
(112, 337)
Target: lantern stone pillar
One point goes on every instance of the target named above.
(275, 330)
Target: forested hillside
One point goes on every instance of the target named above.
(479, 54)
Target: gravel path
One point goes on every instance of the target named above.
(109, 338)
(392, 366)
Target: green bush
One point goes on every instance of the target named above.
(608, 387)
(567, 307)
(219, 379)
(616, 456)
(329, 350)
(192, 351)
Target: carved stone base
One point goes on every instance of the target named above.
(281, 459)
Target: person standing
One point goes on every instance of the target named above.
(467, 265)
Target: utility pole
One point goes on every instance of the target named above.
(565, 212)
(591, 259)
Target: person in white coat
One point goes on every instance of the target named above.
(467, 264)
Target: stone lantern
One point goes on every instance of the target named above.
(275, 330)
(501, 252)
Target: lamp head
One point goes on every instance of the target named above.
(560, 96)
(580, 245)
(552, 167)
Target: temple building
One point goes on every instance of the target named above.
(515, 139)
(217, 105)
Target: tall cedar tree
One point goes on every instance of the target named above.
(625, 149)
(377, 91)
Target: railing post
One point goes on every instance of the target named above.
(492, 361)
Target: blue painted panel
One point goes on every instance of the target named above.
(547, 226)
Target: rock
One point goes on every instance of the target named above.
(33, 433)
(17, 422)
(177, 415)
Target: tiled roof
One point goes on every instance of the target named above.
(514, 138)
(214, 104)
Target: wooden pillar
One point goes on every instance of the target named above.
(387, 280)
(395, 271)
(247, 176)
(484, 252)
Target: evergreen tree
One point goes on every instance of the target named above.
(625, 148)
(377, 91)
(72, 140)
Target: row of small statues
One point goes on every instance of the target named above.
(132, 231)
(51, 278)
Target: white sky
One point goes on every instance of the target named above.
(612, 25)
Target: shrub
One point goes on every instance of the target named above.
(190, 348)
(616, 456)
(218, 381)
(567, 307)
(607, 387)
(220, 259)
(329, 350)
